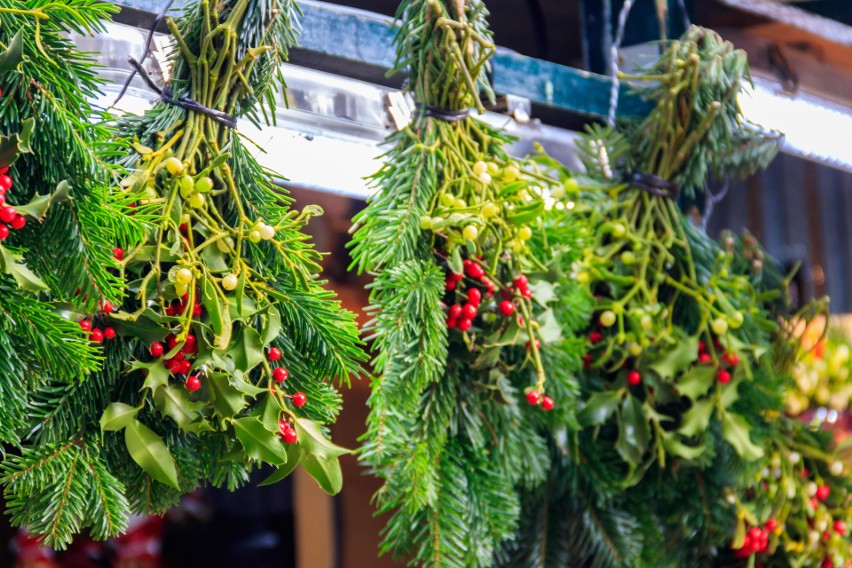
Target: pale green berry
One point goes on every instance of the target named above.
(607, 318)
(425, 222)
(187, 186)
(646, 322)
(511, 173)
(254, 236)
(229, 282)
(618, 230)
(635, 349)
(480, 168)
(719, 326)
(174, 166)
(203, 184)
(628, 257)
(525, 233)
(196, 200)
(485, 178)
(267, 232)
(183, 276)
(470, 232)
(448, 200)
(225, 245)
(437, 222)
(735, 320)
(490, 209)
(492, 168)
(459, 204)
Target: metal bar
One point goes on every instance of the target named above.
(359, 44)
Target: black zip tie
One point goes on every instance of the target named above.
(183, 102)
(444, 114)
(655, 185)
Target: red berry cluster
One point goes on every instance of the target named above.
(288, 433)
(729, 361)
(279, 374)
(179, 364)
(10, 217)
(95, 328)
(756, 539)
(461, 316)
(178, 307)
(534, 398)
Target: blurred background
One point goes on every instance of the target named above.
(551, 78)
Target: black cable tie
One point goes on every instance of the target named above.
(445, 114)
(183, 102)
(655, 185)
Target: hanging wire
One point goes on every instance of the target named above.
(710, 202)
(613, 59)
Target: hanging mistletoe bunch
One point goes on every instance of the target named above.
(232, 341)
(674, 331)
(463, 245)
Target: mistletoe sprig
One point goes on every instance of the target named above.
(675, 329)
(239, 339)
(465, 244)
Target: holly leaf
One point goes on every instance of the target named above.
(634, 434)
(158, 375)
(141, 326)
(13, 54)
(696, 419)
(736, 430)
(696, 382)
(228, 401)
(175, 403)
(247, 349)
(673, 362)
(675, 447)
(283, 471)
(117, 416)
(242, 385)
(599, 407)
(731, 391)
(313, 442)
(11, 147)
(325, 471)
(271, 414)
(543, 291)
(258, 442)
(549, 329)
(25, 278)
(39, 204)
(150, 452)
(271, 326)
(455, 261)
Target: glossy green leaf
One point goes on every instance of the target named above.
(549, 330)
(158, 375)
(675, 447)
(283, 471)
(731, 392)
(117, 416)
(39, 204)
(13, 55)
(217, 312)
(228, 401)
(175, 402)
(247, 349)
(150, 452)
(677, 359)
(697, 381)
(271, 414)
(258, 442)
(455, 261)
(325, 471)
(314, 442)
(25, 278)
(696, 419)
(599, 407)
(736, 430)
(634, 434)
(271, 326)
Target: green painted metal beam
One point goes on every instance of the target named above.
(358, 37)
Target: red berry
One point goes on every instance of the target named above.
(634, 378)
(156, 349)
(452, 323)
(284, 425)
(457, 277)
(196, 310)
(96, 335)
(107, 307)
(702, 347)
(474, 271)
(5, 182)
(193, 383)
(537, 344)
(191, 340)
(839, 527)
(4, 169)
(450, 285)
(771, 524)
(731, 359)
(86, 325)
(299, 399)
(4, 232)
(723, 376)
(455, 311)
(171, 365)
(273, 354)
(547, 403)
(7, 214)
(280, 374)
(704, 358)
(814, 503)
(18, 222)
(118, 253)
(588, 358)
(465, 324)
(468, 311)
(827, 563)
(184, 367)
(109, 332)
(183, 228)
(506, 308)
(595, 337)
(522, 281)
(526, 293)
(179, 356)
(533, 398)
(823, 491)
(474, 296)
(289, 436)
(171, 341)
